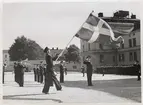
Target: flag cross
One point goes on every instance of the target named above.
(97, 30)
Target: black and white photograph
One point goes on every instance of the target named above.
(71, 52)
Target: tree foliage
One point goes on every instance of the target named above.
(72, 53)
(24, 48)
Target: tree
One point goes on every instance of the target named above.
(24, 48)
(72, 53)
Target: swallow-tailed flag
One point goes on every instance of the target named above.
(96, 29)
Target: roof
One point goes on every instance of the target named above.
(123, 20)
(57, 51)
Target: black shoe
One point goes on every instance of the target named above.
(59, 89)
(45, 92)
(90, 85)
(21, 85)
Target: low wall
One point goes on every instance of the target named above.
(128, 70)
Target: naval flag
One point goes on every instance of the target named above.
(96, 29)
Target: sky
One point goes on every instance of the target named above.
(53, 24)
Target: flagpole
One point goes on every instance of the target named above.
(69, 41)
(65, 48)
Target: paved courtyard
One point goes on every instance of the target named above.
(106, 89)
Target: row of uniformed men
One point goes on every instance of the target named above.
(39, 72)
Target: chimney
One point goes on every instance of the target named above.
(100, 14)
(57, 48)
(133, 16)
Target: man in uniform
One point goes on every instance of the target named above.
(4, 66)
(41, 72)
(34, 69)
(83, 70)
(89, 70)
(20, 73)
(15, 72)
(38, 73)
(61, 72)
(49, 75)
(138, 68)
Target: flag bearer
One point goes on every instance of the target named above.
(49, 75)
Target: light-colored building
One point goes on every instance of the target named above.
(107, 55)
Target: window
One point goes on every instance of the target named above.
(130, 56)
(134, 42)
(133, 34)
(123, 57)
(130, 43)
(122, 45)
(89, 46)
(101, 58)
(120, 58)
(83, 48)
(100, 46)
(113, 58)
(135, 55)
(5, 56)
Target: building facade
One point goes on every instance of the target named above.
(126, 54)
(6, 57)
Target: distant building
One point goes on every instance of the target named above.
(106, 55)
(57, 51)
(6, 57)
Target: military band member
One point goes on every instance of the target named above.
(89, 70)
(41, 72)
(138, 68)
(16, 72)
(4, 66)
(61, 72)
(49, 75)
(34, 69)
(20, 73)
(83, 70)
(38, 73)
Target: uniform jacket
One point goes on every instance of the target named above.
(89, 67)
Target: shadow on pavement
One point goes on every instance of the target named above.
(25, 85)
(14, 97)
(126, 88)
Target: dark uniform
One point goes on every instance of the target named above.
(38, 74)
(103, 70)
(89, 72)
(44, 72)
(20, 74)
(138, 68)
(61, 73)
(49, 75)
(83, 70)
(4, 66)
(41, 73)
(34, 69)
(15, 72)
